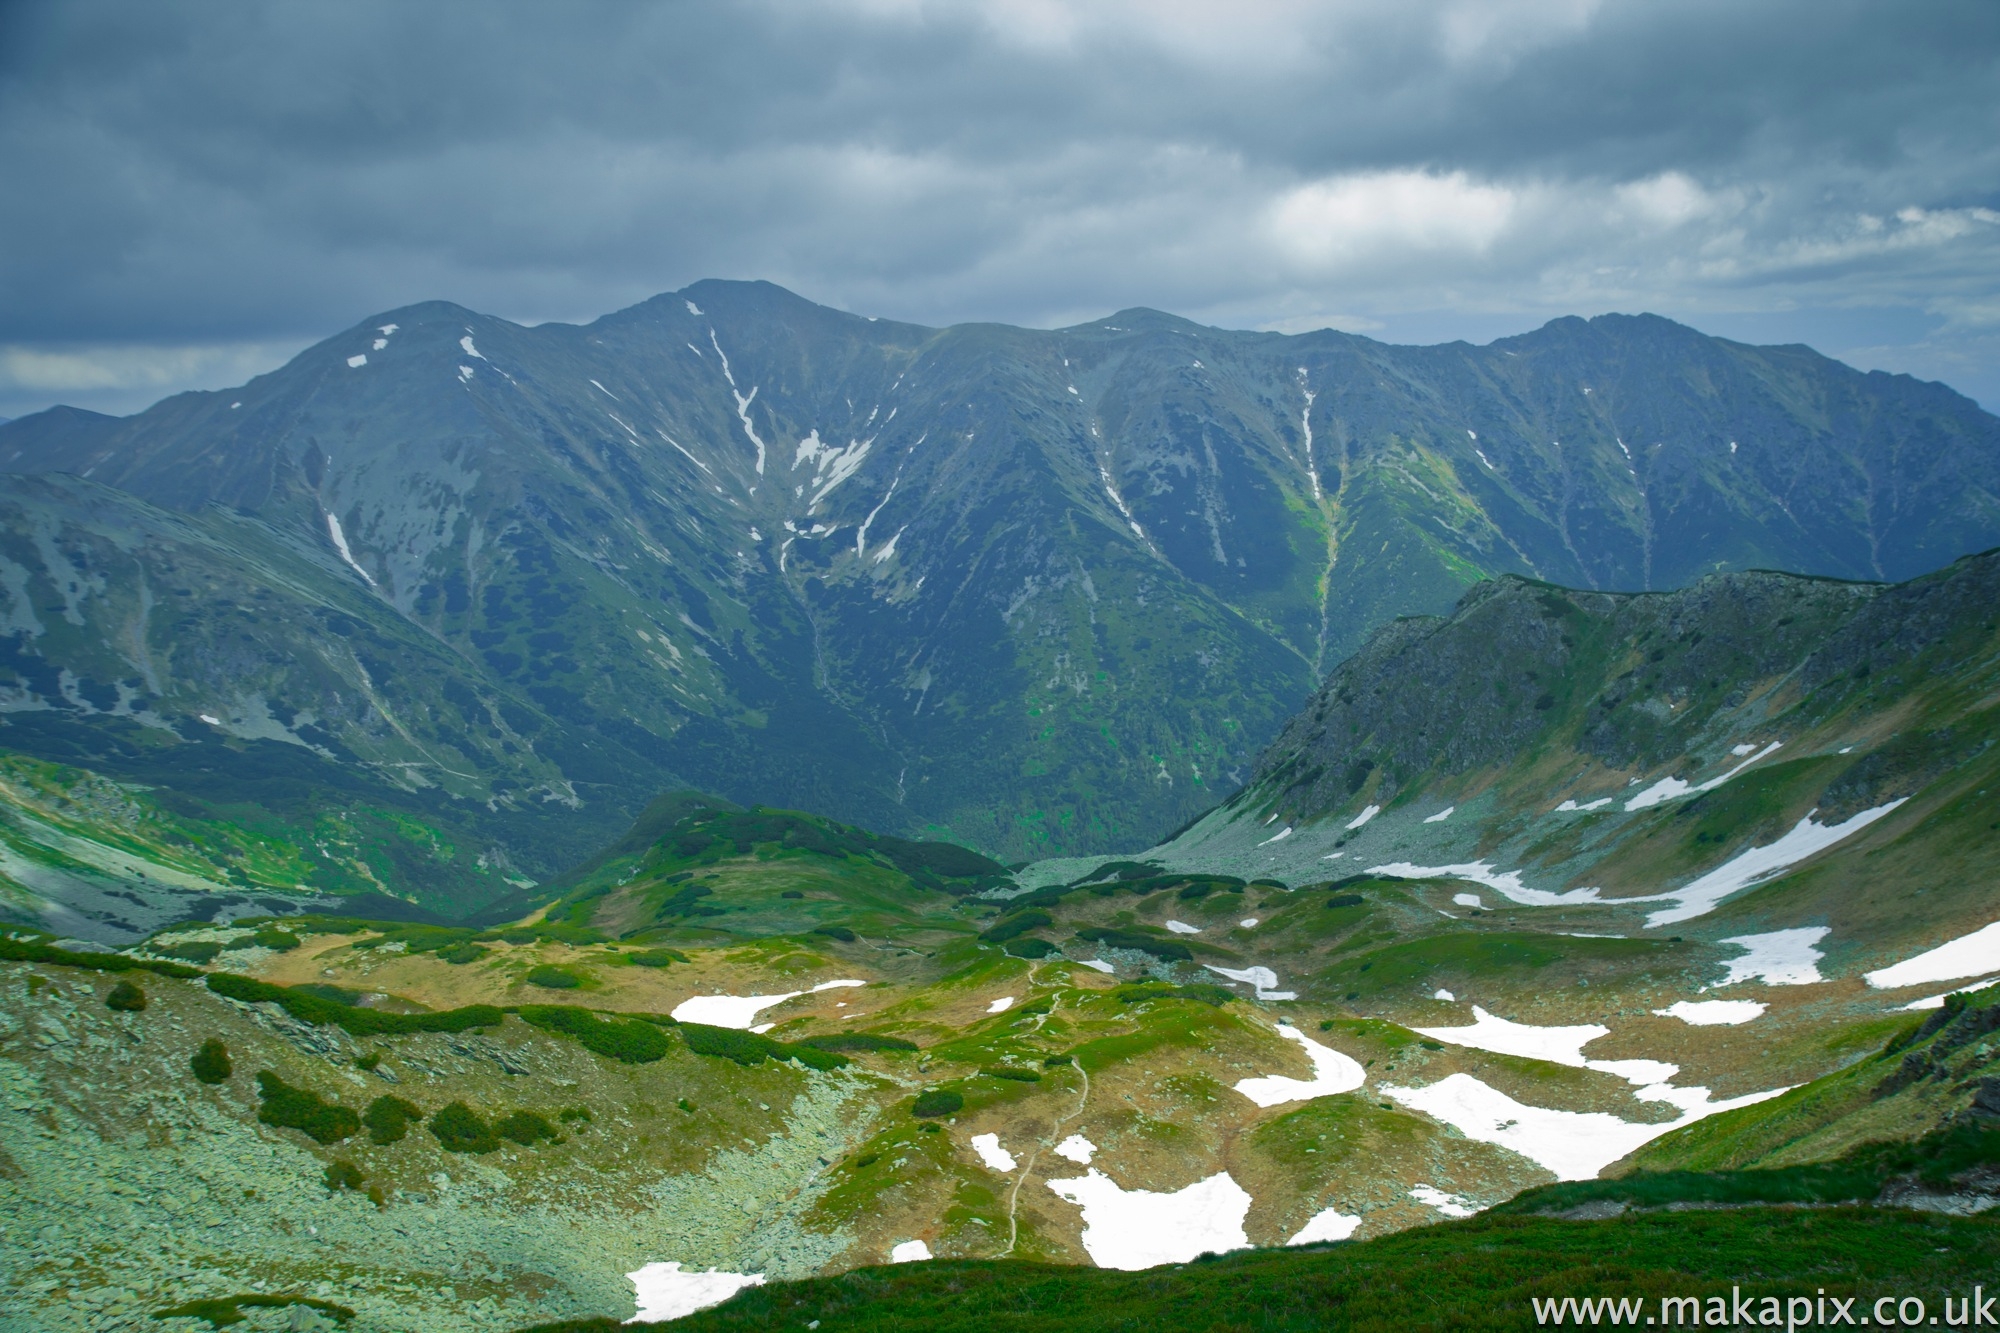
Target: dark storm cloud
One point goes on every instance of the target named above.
(195, 187)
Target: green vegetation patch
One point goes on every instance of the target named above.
(287, 1107)
(1167, 951)
(389, 1118)
(551, 977)
(1020, 923)
(526, 1128)
(629, 1041)
(126, 998)
(310, 1008)
(342, 1174)
(841, 933)
(655, 957)
(753, 1048)
(460, 954)
(1011, 1073)
(222, 1311)
(857, 1041)
(1483, 1274)
(937, 1102)
(1030, 947)
(210, 1062)
(1200, 991)
(33, 951)
(459, 1128)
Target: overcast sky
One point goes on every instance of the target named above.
(189, 192)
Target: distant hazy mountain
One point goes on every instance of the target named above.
(1033, 590)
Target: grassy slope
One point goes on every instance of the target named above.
(1478, 1274)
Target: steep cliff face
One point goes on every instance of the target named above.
(1036, 590)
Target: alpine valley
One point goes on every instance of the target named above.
(536, 827)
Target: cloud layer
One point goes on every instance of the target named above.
(201, 187)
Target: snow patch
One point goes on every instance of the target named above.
(1468, 900)
(1597, 804)
(1508, 885)
(1097, 963)
(740, 1011)
(340, 545)
(1441, 815)
(1247, 922)
(1666, 789)
(1364, 817)
(1712, 1013)
(614, 398)
(1076, 1148)
(1557, 1045)
(1183, 928)
(1758, 865)
(1333, 1073)
(1326, 1224)
(1444, 995)
(1279, 836)
(910, 1252)
(1450, 1205)
(358, 360)
(1937, 1001)
(990, 1152)
(1263, 979)
(665, 1292)
(1001, 1005)
(1966, 956)
(465, 343)
(1781, 957)
(1141, 1229)
(1575, 1145)
(693, 309)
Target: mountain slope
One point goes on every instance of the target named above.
(944, 580)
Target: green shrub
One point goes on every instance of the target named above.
(1168, 951)
(550, 977)
(126, 998)
(389, 1119)
(321, 990)
(277, 941)
(857, 1041)
(752, 1048)
(309, 1008)
(1009, 1072)
(459, 1128)
(1345, 900)
(201, 951)
(1058, 1061)
(655, 957)
(31, 951)
(630, 1041)
(745, 1048)
(1200, 990)
(342, 1174)
(571, 1114)
(1020, 923)
(841, 933)
(222, 1311)
(525, 1128)
(460, 954)
(287, 1107)
(1030, 946)
(366, 1063)
(814, 1058)
(937, 1102)
(211, 1062)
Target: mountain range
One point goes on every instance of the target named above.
(486, 588)
(1629, 922)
